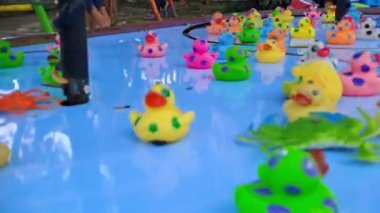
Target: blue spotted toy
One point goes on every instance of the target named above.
(226, 41)
(268, 26)
(355, 14)
(8, 59)
(290, 182)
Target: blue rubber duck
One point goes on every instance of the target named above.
(268, 26)
(355, 14)
(226, 41)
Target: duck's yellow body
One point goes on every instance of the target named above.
(269, 52)
(5, 154)
(162, 122)
(318, 90)
(304, 30)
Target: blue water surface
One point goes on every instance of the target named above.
(87, 159)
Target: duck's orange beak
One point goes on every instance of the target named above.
(155, 100)
(267, 47)
(301, 99)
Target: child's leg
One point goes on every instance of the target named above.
(98, 12)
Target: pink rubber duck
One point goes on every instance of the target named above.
(361, 79)
(200, 58)
(152, 47)
(314, 15)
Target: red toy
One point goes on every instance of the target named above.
(319, 158)
(18, 102)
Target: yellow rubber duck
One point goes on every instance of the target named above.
(269, 52)
(319, 89)
(162, 122)
(329, 17)
(304, 30)
(5, 154)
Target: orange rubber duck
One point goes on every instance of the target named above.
(279, 36)
(218, 24)
(343, 33)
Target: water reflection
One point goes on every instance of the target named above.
(152, 67)
(199, 79)
(269, 72)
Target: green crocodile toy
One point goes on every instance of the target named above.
(8, 59)
(288, 183)
(322, 131)
(51, 75)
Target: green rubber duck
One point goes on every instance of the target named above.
(251, 33)
(236, 69)
(289, 182)
(8, 59)
(51, 75)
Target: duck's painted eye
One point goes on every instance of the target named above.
(310, 82)
(314, 48)
(154, 34)
(315, 92)
(165, 92)
(300, 79)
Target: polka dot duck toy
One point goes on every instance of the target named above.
(343, 33)
(236, 68)
(269, 52)
(218, 24)
(290, 182)
(200, 58)
(8, 59)
(163, 122)
(318, 51)
(303, 35)
(250, 34)
(234, 25)
(225, 41)
(361, 79)
(152, 47)
(268, 26)
(368, 30)
(329, 16)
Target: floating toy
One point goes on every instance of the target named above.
(8, 59)
(163, 122)
(303, 35)
(279, 36)
(361, 79)
(318, 89)
(289, 182)
(5, 155)
(226, 41)
(355, 14)
(18, 102)
(342, 34)
(329, 17)
(234, 25)
(152, 47)
(321, 131)
(269, 52)
(268, 26)
(236, 68)
(253, 14)
(218, 24)
(318, 51)
(250, 33)
(200, 58)
(242, 18)
(314, 15)
(51, 75)
(368, 30)
(282, 18)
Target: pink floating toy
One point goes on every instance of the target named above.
(361, 79)
(314, 15)
(200, 58)
(152, 47)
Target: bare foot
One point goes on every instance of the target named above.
(100, 17)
